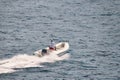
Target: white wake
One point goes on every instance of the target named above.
(24, 61)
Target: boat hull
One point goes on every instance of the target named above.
(60, 48)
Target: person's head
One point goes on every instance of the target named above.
(51, 40)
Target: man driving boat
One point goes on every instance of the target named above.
(52, 45)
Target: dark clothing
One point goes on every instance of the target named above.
(44, 52)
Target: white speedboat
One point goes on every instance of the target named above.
(60, 48)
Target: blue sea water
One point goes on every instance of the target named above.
(92, 28)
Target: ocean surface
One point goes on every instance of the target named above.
(92, 28)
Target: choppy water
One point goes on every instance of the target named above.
(92, 28)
